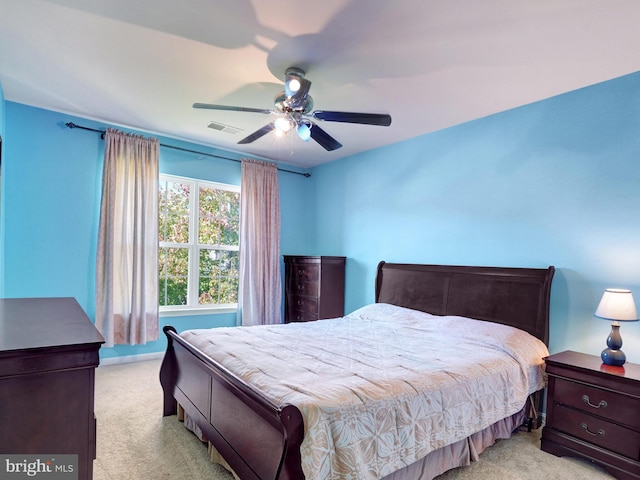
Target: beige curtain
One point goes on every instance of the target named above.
(260, 289)
(127, 258)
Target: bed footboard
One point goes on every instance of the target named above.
(257, 438)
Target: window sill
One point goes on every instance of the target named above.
(183, 312)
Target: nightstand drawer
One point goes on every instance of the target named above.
(597, 431)
(595, 401)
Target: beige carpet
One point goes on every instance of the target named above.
(136, 443)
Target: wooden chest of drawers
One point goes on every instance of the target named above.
(593, 412)
(48, 355)
(314, 287)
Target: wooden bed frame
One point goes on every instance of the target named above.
(261, 440)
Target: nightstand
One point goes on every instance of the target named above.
(593, 412)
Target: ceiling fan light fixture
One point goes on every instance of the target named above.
(304, 131)
(283, 124)
(293, 85)
(296, 88)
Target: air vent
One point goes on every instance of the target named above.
(224, 128)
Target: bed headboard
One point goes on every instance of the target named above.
(518, 297)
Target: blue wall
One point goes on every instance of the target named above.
(552, 183)
(52, 201)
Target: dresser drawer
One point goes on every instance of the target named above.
(597, 431)
(294, 315)
(303, 304)
(609, 405)
(305, 273)
(304, 288)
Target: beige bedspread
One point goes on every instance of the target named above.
(383, 386)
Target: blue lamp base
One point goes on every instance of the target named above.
(615, 358)
(613, 355)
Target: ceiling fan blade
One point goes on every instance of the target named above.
(232, 108)
(258, 133)
(325, 140)
(380, 119)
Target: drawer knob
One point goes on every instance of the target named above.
(601, 404)
(586, 429)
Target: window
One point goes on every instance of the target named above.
(198, 229)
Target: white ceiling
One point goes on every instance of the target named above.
(429, 63)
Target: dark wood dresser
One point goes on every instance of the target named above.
(593, 412)
(314, 287)
(48, 355)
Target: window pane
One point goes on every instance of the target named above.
(219, 217)
(173, 268)
(173, 212)
(218, 277)
(213, 278)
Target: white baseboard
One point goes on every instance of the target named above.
(131, 358)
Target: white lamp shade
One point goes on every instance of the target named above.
(617, 304)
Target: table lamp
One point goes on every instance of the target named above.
(616, 304)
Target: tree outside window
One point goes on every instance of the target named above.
(198, 228)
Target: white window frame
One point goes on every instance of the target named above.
(192, 307)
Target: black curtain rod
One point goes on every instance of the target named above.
(102, 132)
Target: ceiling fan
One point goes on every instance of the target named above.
(293, 109)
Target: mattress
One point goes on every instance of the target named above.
(384, 386)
